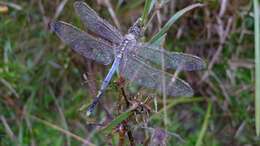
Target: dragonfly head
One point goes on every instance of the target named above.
(136, 29)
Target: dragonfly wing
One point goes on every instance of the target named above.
(96, 24)
(83, 43)
(142, 74)
(175, 60)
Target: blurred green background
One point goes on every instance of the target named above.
(43, 83)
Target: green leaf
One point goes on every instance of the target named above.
(147, 8)
(116, 121)
(172, 20)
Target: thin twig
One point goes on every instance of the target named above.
(130, 137)
(8, 129)
(112, 13)
(223, 34)
(158, 14)
(9, 86)
(125, 97)
(60, 8)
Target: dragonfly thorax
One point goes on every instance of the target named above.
(130, 37)
(127, 44)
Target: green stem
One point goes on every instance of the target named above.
(257, 67)
(204, 126)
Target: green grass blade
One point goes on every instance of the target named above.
(116, 121)
(147, 8)
(173, 19)
(159, 42)
(257, 67)
(151, 5)
(175, 102)
(204, 126)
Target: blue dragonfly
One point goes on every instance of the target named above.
(132, 58)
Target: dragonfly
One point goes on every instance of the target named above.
(134, 60)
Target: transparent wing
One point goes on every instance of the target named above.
(175, 60)
(142, 74)
(96, 24)
(83, 43)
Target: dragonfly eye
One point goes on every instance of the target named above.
(136, 29)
